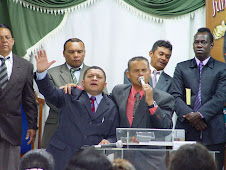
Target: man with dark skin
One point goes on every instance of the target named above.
(200, 93)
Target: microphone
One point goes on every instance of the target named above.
(118, 144)
(141, 80)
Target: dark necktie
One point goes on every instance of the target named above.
(137, 101)
(92, 98)
(3, 74)
(197, 104)
(73, 70)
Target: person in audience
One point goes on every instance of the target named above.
(160, 55)
(89, 159)
(199, 89)
(192, 157)
(87, 117)
(122, 164)
(37, 159)
(16, 89)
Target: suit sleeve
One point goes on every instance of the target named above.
(162, 118)
(178, 92)
(28, 100)
(52, 94)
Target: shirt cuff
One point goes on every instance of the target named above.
(153, 110)
(41, 75)
(201, 115)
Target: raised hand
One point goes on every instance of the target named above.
(42, 61)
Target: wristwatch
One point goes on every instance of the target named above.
(153, 105)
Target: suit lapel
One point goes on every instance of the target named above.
(65, 74)
(103, 107)
(16, 72)
(123, 98)
(162, 82)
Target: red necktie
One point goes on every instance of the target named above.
(92, 104)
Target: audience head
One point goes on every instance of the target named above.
(160, 54)
(89, 159)
(6, 40)
(74, 52)
(122, 164)
(94, 80)
(203, 43)
(138, 66)
(192, 157)
(37, 158)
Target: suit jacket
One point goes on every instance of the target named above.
(77, 127)
(19, 90)
(213, 97)
(164, 83)
(59, 75)
(143, 119)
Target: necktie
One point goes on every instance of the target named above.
(137, 101)
(73, 70)
(3, 74)
(197, 104)
(92, 98)
(154, 78)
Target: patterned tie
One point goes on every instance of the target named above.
(92, 98)
(197, 104)
(154, 78)
(73, 70)
(137, 101)
(3, 74)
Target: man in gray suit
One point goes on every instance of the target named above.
(160, 55)
(74, 53)
(16, 88)
(152, 109)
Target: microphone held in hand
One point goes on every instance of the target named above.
(141, 80)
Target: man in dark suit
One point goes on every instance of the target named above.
(17, 89)
(199, 89)
(153, 111)
(74, 53)
(160, 55)
(80, 123)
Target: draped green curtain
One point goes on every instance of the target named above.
(28, 26)
(167, 7)
(55, 3)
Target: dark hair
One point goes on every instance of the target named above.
(73, 40)
(37, 158)
(138, 58)
(207, 30)
(6, 26)
(94, 67)
(89, 159)
(192, 156)
(161, 43)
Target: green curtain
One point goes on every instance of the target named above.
(167, 7)
(55, 3)
(28, 26)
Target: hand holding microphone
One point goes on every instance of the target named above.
(141, 80)
(148, 90)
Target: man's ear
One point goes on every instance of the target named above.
(211, 45)
(150, 53)
(127, 74)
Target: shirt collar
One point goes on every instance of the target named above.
(69, 67)
(204, 61)
(98, 97)
(133, 92)
(152, 69)
(10, 56)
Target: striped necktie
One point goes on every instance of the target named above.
(137, 101)
(154, 78)
(73, 70)
(197, 104)
(3, 73)
(92, 98)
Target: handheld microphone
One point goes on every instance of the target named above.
(141, 80)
